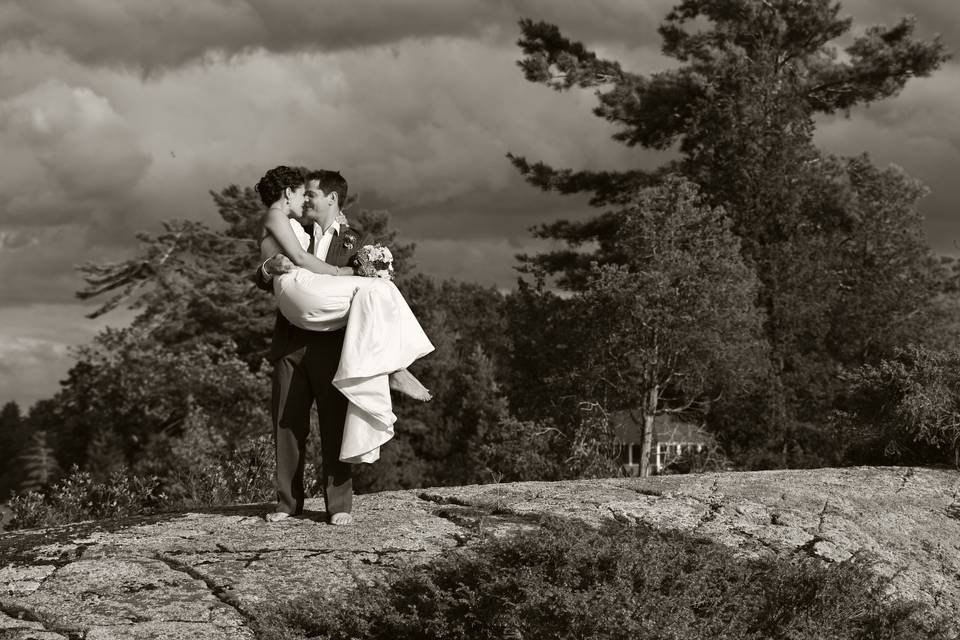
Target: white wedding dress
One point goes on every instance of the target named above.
(382, 336)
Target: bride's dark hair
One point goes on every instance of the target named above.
(273, 183)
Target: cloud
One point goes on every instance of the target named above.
(68, 155)
(35, 347)
(417, 102)
(26, 366)
(69, 168)
(149, 35)
(425, 128)
(487, 261)
(918, 130)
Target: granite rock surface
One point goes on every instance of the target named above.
(206, 574)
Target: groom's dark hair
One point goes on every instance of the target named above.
(330, 181)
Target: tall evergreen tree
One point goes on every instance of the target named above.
(740, 110)
(37, 463)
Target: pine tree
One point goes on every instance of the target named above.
(740, 110)
(37, 463)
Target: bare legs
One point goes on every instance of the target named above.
(404, 382)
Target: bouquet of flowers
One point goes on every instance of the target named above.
(374, 261)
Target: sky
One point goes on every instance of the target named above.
(118, 114)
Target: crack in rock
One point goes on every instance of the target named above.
(19, 612)
(437, 499)
(223, 593)
(822, 516)
(380, 554)
(235, 551)
(903, 479)
(25, 614)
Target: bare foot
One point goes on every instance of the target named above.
(404, 382)
(276, 516)
(341, 518)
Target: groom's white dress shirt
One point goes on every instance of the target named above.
(323, 239)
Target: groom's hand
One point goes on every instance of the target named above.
(277, 265)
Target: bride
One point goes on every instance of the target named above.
(382, 335)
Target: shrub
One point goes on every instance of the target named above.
(567, 581)
(906, 408)
(244, 474)
(79, 497)
(711, 458)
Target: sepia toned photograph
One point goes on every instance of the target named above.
(468, 320)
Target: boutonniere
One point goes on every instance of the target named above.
(349, 240)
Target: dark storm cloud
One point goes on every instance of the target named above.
(146, 34)
(116, 114)
(69, 167)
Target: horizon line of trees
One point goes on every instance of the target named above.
(784, 296)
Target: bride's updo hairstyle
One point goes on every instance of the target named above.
(275, 181)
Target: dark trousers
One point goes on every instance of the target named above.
(300, 379)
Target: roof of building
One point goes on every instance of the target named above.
(666, 428)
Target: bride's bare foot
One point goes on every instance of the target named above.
(276, 516)
(341, 518)
(404, 382)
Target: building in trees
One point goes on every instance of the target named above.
(672, 438)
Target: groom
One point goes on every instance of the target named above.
(304, 363)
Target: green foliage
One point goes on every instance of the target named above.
(241, 474)
(495, 446)
(671, 326)
(13, 437)
(903, 407)
(679, 314)
(132, 401)
(837, 245)
(886, 245)
(568, 581)
(711, 459)
(191, 285)
(433, 445)
(79, 497)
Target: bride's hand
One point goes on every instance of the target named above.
(277, 265)
(345, 271)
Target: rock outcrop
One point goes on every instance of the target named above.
(205, 574)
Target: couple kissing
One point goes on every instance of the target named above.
(341, 341)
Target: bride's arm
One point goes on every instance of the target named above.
(281, 234)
